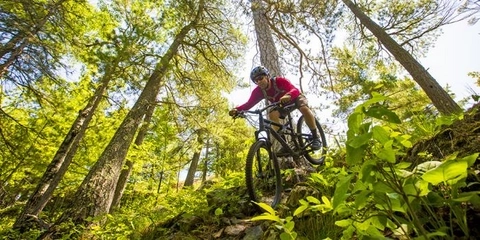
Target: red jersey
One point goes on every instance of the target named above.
(284, 86)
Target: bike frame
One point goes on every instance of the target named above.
(286, 129)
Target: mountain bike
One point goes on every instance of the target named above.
(262, 171)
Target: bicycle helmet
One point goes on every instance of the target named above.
(258, 71)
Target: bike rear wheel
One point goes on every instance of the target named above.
(305, 138)
(262, 174)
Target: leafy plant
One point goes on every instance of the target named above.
(285, 225)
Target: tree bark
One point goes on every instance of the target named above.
(94, 196)
(62, 159)
(439, 97)
(121, 184)
(194, 163)
(125, 174)
(205, 162)
(268, 52)
(192, 170)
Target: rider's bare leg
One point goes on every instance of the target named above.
(309, 117)
(274, 116)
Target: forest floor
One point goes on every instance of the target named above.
(462, 137)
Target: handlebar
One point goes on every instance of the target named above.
(241, 114)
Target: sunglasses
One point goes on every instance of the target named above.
(258, 79)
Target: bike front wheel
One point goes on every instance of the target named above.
(305, 138)
(262, 174)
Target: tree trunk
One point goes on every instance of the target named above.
(125, 174)
(440, 98)
(194, 163)
(205, 162)
(62, 159)
(94, 196)
(268, 52)
(192, 170)
(121, 184)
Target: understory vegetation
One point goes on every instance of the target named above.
(114, 120)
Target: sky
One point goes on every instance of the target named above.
(455, 54)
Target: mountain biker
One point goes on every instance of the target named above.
(278, 89)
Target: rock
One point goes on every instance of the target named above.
(253, 233)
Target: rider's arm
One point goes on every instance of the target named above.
(286, 85)
(255, 97)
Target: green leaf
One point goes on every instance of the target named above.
(470, 159)
(380, 134)
(313, 200)
(450, 170)
(290, 225)
(387, 153)
(344, 222)
(382, 187)
(285, 236)
(355, 155)
(341, 190)
(403, 165)
(327, 202)
(218, 212)
(354, 121)
(267, 208)
(266, 217)
(300, 209)
(425, 166)
(361, 199)
(359, 140)
(383, 113)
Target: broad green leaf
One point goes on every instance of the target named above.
(355, 155)
(344, 222)
(383, 113)
(327, 202)
(341, 190)
(376, 97)
(466, 196)
(313, 200)
(361, 199)
(285, 236)
(425, 166)
(380, 134)
(360, 140)
(300, 209)
(387, 153)
(368, 171)
(422, 187)
(406, 143)
(435, 199)
(403, 165)
(354, 121)
(266, 207)
(290, 225)
(470, 159)
(449, 170)
(382, 187)
(379, 222)
(396, 202)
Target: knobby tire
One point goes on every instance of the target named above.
(262, 175)
(318, 156)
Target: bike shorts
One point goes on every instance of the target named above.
(300, 101)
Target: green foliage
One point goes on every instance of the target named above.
(285, 225)
(386, 194)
